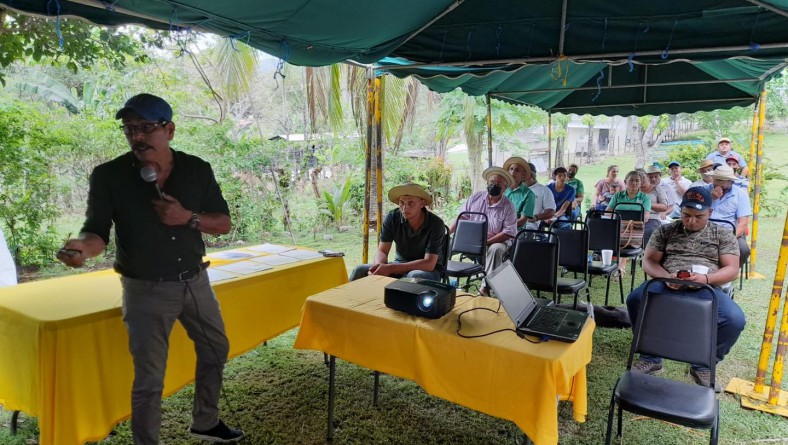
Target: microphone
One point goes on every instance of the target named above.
(148, 174)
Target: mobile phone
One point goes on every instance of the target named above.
(331, 253)
(68, 252)
(683, 274)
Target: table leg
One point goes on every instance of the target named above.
(331, 396)
(376, 391)
(14, 419)
(325, 359)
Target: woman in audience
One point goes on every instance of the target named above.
(631, 194)
(607, 187)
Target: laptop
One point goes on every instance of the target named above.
(528, 316)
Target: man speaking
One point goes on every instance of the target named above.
(160, 201)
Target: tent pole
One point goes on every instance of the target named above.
(771, 314)
(368, 166)
(756, 208)
(563, 29)
(550, 142)
(489, 131)
(753, 139)
(379, 85)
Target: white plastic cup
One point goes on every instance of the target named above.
(698, 268)
(607, 257)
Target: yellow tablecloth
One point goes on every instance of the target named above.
(501, 375)
(64, 349)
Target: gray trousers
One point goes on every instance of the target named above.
(495, 255)
(149, 311)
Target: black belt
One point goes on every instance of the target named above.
(185, 275)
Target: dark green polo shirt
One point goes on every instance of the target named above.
(413, 245)
(145, 247)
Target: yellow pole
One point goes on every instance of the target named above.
(368, 154)
(489, 132)
(753, 139)
(379, 150)
(756, 208)
(779, 359)
(550, 143)
(771, 317)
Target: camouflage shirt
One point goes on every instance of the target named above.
(681, 249)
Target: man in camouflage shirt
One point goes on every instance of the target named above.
(679, 246)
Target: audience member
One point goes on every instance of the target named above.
(706, 166)
(625, 200)
(607, 187)
(520, 194)
(418, 233)
(679, 246)
(564, 196)
(544, 203)
(659, 201)
(741, 181)
(732, 204)
(724, 152)
(577, 184)
(501, 216)
(7, 266)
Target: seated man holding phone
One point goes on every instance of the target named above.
(693, 250)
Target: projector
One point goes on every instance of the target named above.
(420, 297)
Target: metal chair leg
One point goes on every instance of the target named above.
(14, 422)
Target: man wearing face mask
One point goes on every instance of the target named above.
(501, 216)
(731, 203)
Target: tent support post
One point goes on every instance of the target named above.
(753, 141)
(550, 142)
(368, 166)
(489, 132)
(756, 208)
(379, 85)
(563, 29)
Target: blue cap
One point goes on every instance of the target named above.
(672, 163)
(697, 198)
(147, 106)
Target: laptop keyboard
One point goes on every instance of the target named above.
(547, 320)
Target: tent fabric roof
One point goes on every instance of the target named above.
(501, 46)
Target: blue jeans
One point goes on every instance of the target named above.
(576, 213)
(363, 270)
(730, 321)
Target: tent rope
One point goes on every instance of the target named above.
(280, 65)
(242, 35)
(498, 40)
(468, 45)
(599, 84)
(604, 35)
(666, 51)
(57, 20)
(557, 71)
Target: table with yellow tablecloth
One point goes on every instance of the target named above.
(64, 349)
(501, 375)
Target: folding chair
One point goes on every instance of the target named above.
(573, 256)
(676, 327)
(535, 257)
(631, 252)
(604, 231)
(470, 242)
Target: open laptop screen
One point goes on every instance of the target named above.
(514, 295)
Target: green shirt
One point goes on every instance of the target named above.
(622, 197)
(577, 185)
(523, 199)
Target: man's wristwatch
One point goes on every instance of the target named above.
(194, 221)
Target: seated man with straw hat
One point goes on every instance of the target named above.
(418, 233)
(731, 203)
(501, 215)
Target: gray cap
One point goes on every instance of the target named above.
(147, 106)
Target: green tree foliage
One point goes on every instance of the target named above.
(26, 185)
(335, 202)
(34, 38)
(689, 156)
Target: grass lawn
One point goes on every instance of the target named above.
(278, 395)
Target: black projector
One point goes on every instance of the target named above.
(421, 297)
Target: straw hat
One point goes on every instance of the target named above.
(723, 173)
(519, 161)
(409, 189)
(705, 163)
(653, 169)
(723, 140)
(491, 171)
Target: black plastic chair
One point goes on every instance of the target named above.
(572, 256)
(535, 257)
(677, 327)
(604, 231)
(446, 254)
(470, 242)
(631, 252)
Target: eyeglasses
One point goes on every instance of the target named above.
(146, 128)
